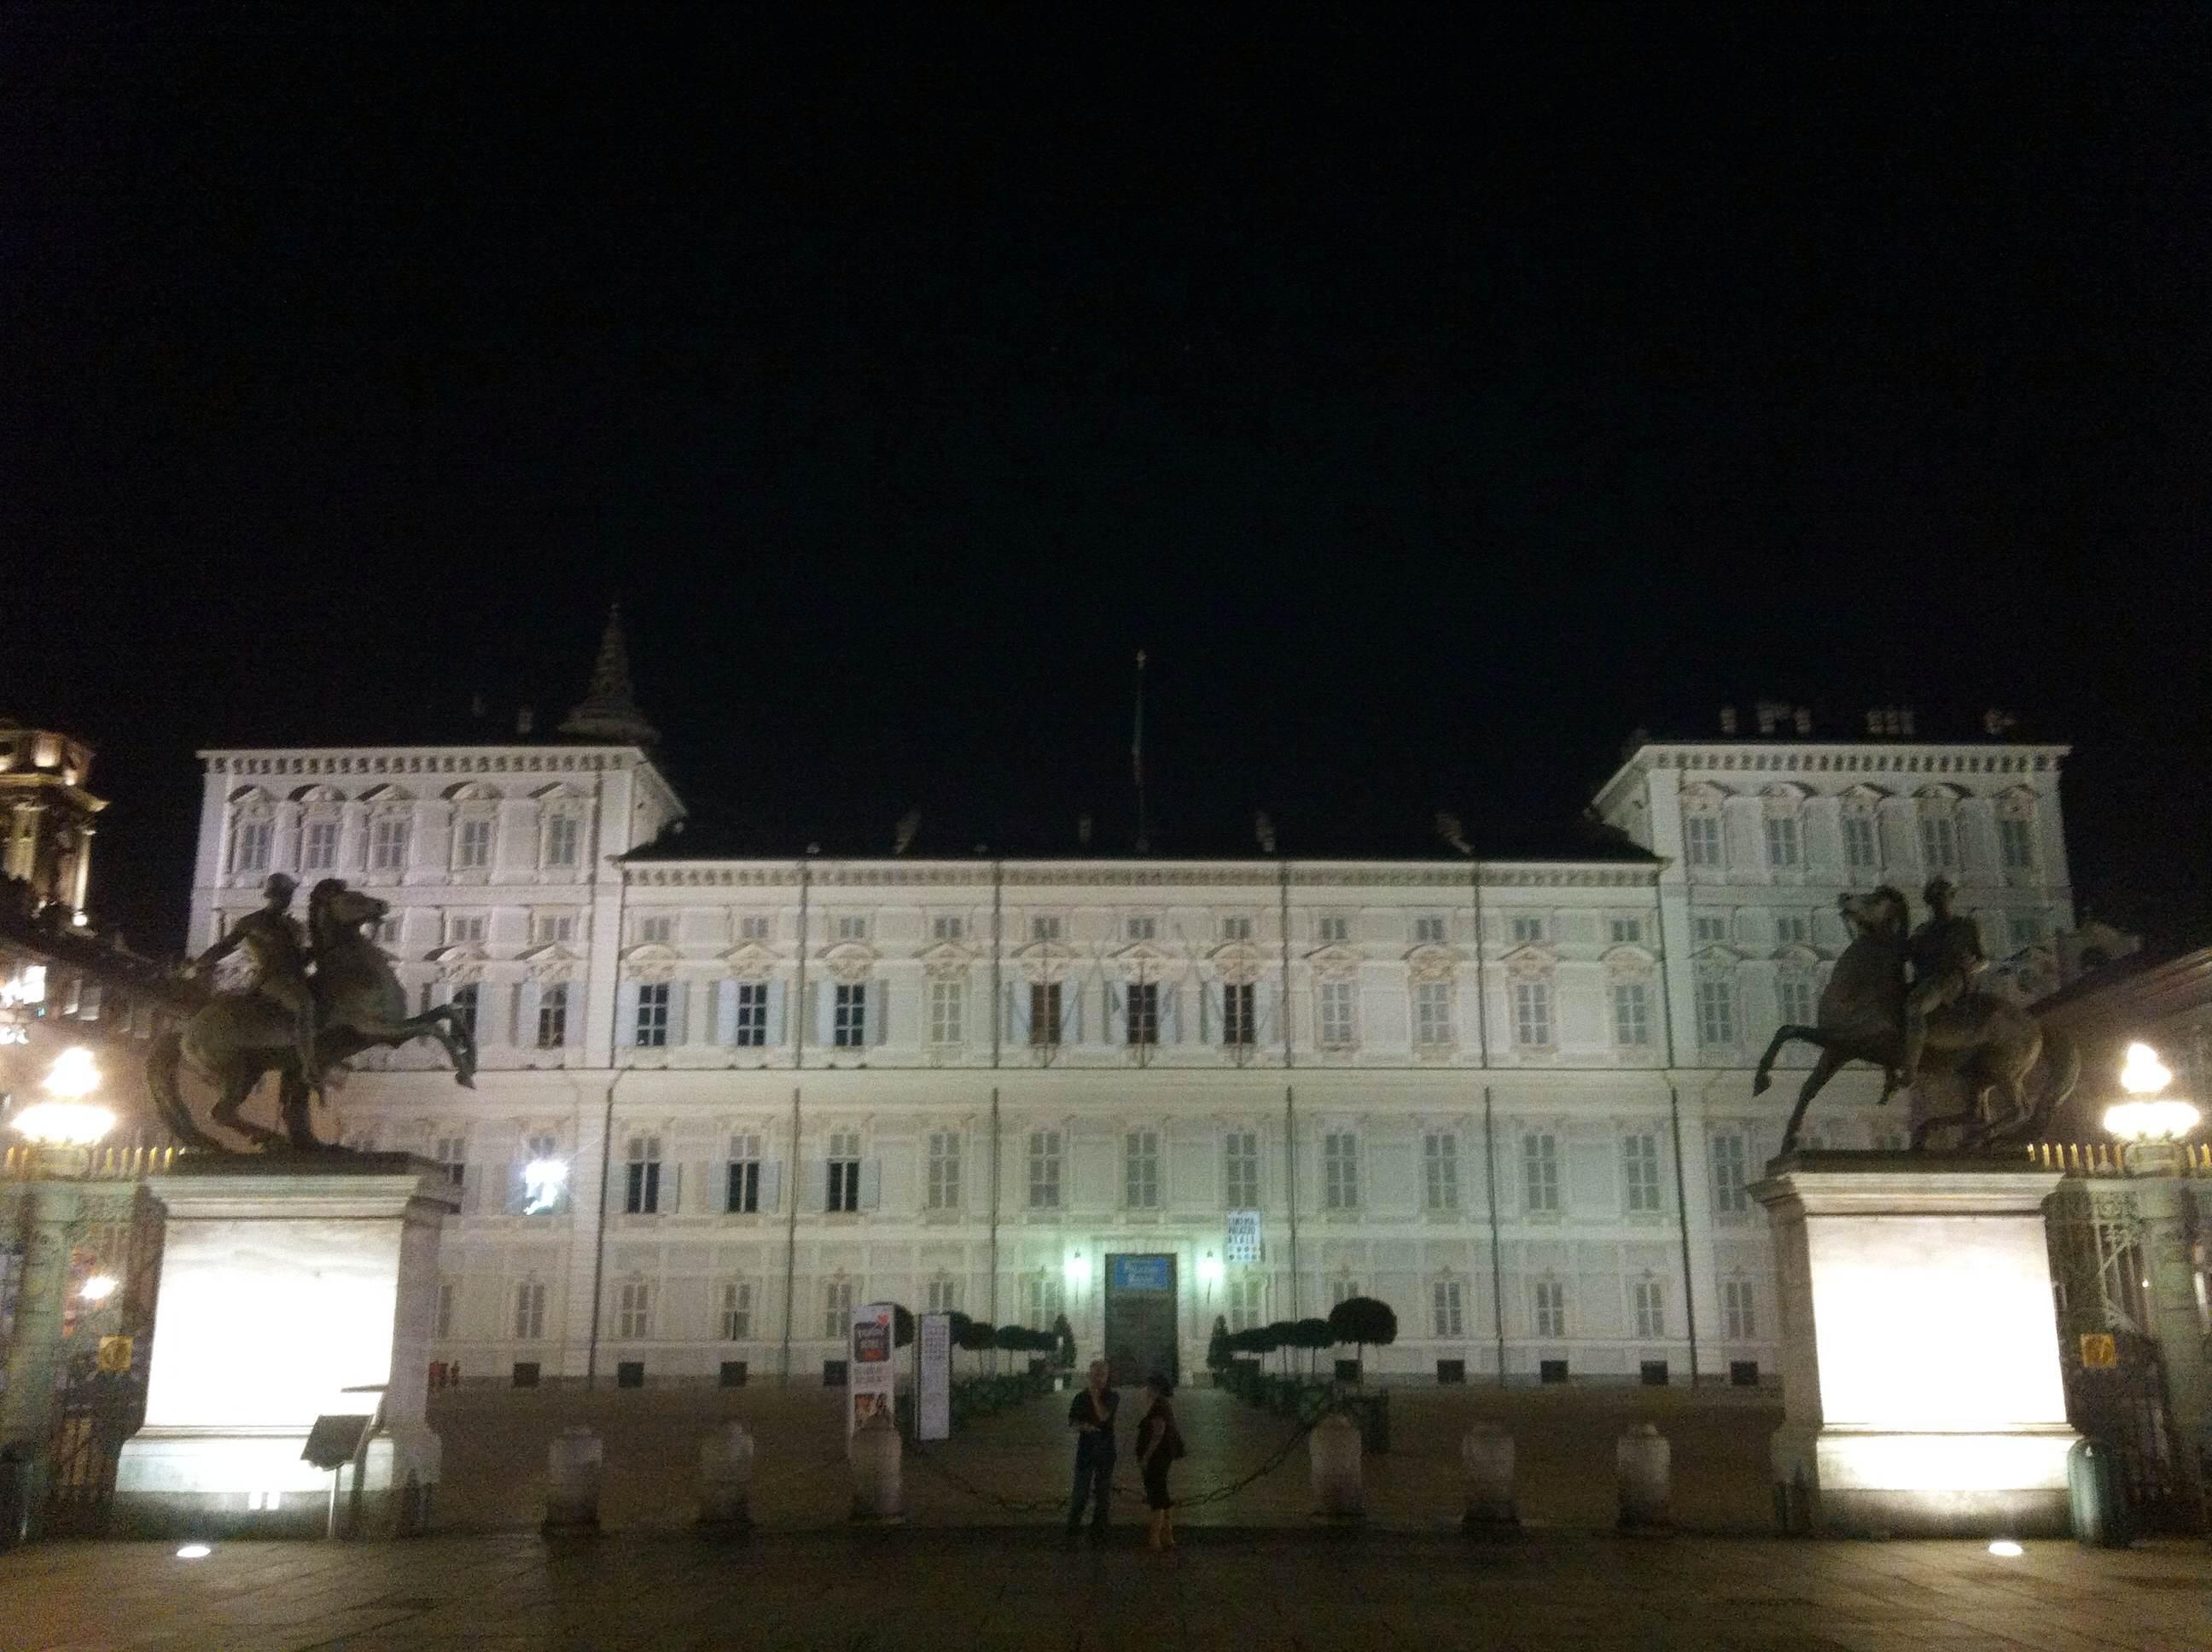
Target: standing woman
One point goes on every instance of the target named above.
(1159, 1442)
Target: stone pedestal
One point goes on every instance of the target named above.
(286, 1282)
(1921, 1382)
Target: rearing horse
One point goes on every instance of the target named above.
(237, 1039)
(1988, 1042)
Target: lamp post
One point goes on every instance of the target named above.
(62, 1131)
(2149, 1126)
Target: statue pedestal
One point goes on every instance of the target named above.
(285, 1282)
(1921, 1383)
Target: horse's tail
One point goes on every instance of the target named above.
(2062, 1066)
(163, 1062)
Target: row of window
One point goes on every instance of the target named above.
(391, 843)
(1784, 840)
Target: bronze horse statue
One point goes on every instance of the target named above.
(1988, 1044)
(237, 1039)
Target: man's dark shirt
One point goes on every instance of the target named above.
(1080, 1411)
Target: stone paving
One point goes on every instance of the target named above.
(983, 1591)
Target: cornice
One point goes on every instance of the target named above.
(1448, 876)
(426, 759)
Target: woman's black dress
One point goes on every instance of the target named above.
(1159, 1423)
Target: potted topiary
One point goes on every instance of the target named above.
(1362, 1321)
(1063, 1335)
(1216, 1351)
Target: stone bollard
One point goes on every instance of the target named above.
(1486, 1461)
(873, 1452)
(572, 1481)
(725, 1479)
(1332, 1451)
(1641, 1465)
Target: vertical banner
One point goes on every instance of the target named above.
(1241, 1245)
(934, 1385)
(869, 1375)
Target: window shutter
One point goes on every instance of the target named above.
(722, 1028)
(1116, 1026)
(815, 1029)
(1071, 1012)
(871, 1183)
(879, 1011)
(680, 1000)
(1210, 1012)
(706, 1190)
(779, 1034)
(529, 997)
(812, 1193)
(626, 1013)
(472, 1189)
(1266, 1005)
(1171, 1015)
(771, 1185)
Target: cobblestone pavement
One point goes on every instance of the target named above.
(495, 1457)
(985, 1591)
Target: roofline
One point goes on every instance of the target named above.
(645, 759)
(1647, 865)
(1634, 761)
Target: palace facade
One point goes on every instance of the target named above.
(723, 1101)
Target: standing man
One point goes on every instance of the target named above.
(276, 944)
(1947, 955)
(1091, 1416)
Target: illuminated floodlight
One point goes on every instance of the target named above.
(2005, 1549)
(28, 986)
(544, 1180)
(1077, 1269)
(194, 1551)
(2142, 1073)
(2152, 1119)
(99, 1288)
(73, 1076)
(1209, 1269)
(63, 1124)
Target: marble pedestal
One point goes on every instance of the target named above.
(285, 1282)
(1921, 1385)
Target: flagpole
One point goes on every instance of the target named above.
(1137, 759)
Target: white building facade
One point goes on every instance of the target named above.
(1511, 1098)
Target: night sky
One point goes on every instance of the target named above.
(1434, 407)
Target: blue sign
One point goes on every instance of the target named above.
(1140, 1273)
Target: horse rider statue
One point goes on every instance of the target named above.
(276, 944)
(1947, 956)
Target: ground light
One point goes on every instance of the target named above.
(99, 1288)
(2005, 1549)
(194, 1551)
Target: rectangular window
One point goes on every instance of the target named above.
(842, 1189)
(1338, 1029)
(452, 1153)
(1339, 1170)
(942, 1190)
(1044, 928)
(642, 1177)
(1247, 1303)
(1432, 1025)
(1238, 1020)
(1235, 929)
(837, 1310)
(1729, 1180)
(255, 843)
(564, 835)
(947, 1000)
(1333, 928)
(1144, 929)
(737, 1310)
(1044, 1299)
(1716, 1011)
(749, 1025)
(1627, 932)
(852, 927)
(753, 926)
(1240, 1170)
(942, 1296)
(1342, 1289)
(443, 1326)
(1143, 999)
(2024, 929)
(1429, 930)
(1631, 1014)
(1440, 1171)
(529, 1311)
(472, 848)
(848, 1015)
(1528, 929)
(1650, 1308)
(387, 843)
(462, 929)
(319, 846)
(463, 1005)
(652, 1015)
(1701, 840)
(1551, 1305)
(1444, 1317)
(2016, 844)
(1738, 1316)
(1639, 1160)
(554, 927)
(1044, 1013)
(1706, 932)
(1939, 842)
(1532, 1014)
(742, 1188)
(1793, 998)
(1540, 1173)
(1044, 1169)
(1860, 850)
(946, 927)
(1782, 842)
(633, 1310)
(553, 1016)
(1140, 1171)
(1794, 929)
(656, 932)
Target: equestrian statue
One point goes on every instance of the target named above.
(316, 997)
(1938, 1019)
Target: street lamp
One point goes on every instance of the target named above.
(66, 1124)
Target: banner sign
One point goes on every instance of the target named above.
(933, 1397)
(868, 1378)
(1243, 1242)
(1140, 1273)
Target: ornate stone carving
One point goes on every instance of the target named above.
(1239, 964)
(849, 962)
(1335, 962)
(1432, 962)
(1629, 963)
(947, 961)
(651, 961)
(750, 961)
(1530, 963)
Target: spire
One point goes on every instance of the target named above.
(609, 712)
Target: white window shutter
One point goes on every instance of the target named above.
(699, 1177)
(724, 1028)
(771, 1185)
(679, 1006)
(871, 1183)
(626, 1013)
(1171, 1015)
(820, 1006)
(472, 1189)
(528, 999)
(1266, 1005)
(1007, 1029)
(1116, 1027)
(779, 1034)
(879, 1011)
(1071, 1012)
(812, 1193)
(517, 1190)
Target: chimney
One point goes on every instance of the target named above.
(1804, 719)
(903, 834)
(476, 706)
(1083, 830)
(1728, 719)
(1904, 721)
(523, 719)
(1264, 829)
